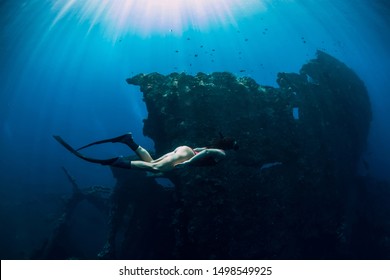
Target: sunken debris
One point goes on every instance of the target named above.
(287, 192)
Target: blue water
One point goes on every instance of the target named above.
(63, 72)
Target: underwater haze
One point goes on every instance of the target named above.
(64, 65)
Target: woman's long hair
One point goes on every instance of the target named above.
(224, 143)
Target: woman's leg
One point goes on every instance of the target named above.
(163, 164)
(140, 151)
(143, 154)
(143, 165)
(125, 162)
(162, 157)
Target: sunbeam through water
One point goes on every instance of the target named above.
(146, 17)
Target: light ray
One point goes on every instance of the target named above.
(147, 17)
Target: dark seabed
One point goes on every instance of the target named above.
(301, 85)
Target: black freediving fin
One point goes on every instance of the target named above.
(76, 153)
(110, 140)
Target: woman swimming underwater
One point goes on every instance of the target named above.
(181, 156)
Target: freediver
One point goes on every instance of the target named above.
(180, 157)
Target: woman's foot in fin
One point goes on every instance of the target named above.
(121, 162)
(126, 139)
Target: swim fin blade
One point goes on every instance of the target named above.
(110, 140)
(76, 153)
(95, 143)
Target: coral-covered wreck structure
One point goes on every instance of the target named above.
(290, 192)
